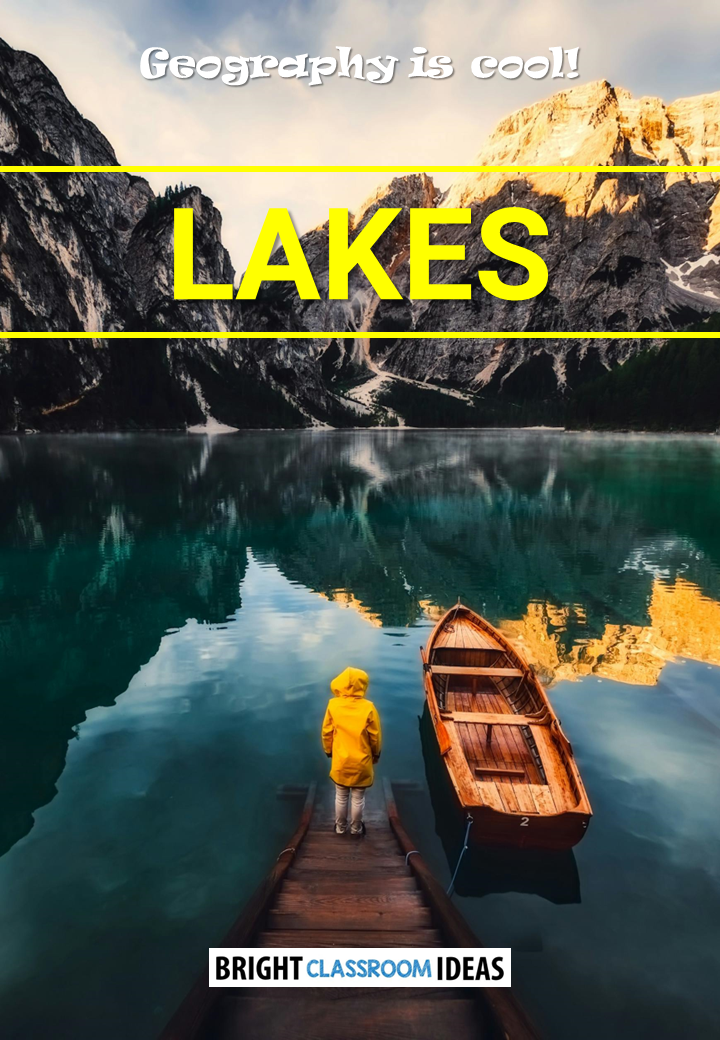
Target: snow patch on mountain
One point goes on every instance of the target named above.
(700, 278)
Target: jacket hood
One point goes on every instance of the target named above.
(353, 682)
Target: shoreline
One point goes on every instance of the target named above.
(230, 432)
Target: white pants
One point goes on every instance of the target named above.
(356, 796)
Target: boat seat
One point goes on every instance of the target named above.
(486, 718)
(498, 771)
(455, 669)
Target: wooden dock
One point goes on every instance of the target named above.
(331, 890)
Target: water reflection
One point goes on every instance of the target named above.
(598, 555)
(682, 623)
(171, 609)
(102, 550)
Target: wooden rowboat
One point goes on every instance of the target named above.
(511, 766)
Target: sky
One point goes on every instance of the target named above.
(657, 47)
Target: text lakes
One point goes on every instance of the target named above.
(349, 247)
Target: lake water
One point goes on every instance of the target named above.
(171, 611)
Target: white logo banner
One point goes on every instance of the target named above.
(345, 966)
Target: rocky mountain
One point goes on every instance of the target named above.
(624, 250)
(86, 252)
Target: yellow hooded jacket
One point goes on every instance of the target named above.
(351, 730)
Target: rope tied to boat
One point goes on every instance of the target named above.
(413, 852)
(464, 849)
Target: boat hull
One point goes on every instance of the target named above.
(534, 832)
(490, 827)
(489, 868)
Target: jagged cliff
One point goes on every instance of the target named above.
(94, 252)
(86, 252)
(624, 251)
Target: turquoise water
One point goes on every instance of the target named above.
(172, 610)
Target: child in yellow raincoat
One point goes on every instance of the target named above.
(351, 737)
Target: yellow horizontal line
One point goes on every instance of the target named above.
(359, 335)
(395, 168)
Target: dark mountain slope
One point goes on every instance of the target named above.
(674, 388)
(94, 252)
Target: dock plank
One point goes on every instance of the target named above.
(307, 883)
(348, 870)
(348, 846)
(331, 840)
(355, 1014)
(351, 863)
(414, 937)
(297, 902)
(351, 918)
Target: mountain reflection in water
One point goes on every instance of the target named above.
(126, 568)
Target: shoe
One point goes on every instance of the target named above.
(361, 833)
(339, 831)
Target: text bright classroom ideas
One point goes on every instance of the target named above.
(297, 968)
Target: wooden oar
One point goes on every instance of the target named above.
(443, 736)
(444, 741)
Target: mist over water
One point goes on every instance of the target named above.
(172, 610)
